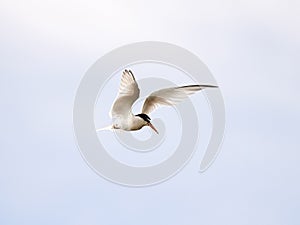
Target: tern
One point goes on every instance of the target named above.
(129, 92)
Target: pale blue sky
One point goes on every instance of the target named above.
(252, 49)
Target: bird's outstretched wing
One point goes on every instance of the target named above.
(170, 96)
(129, 92)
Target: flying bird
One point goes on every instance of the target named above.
(129, 92)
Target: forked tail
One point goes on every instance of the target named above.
(105, 128)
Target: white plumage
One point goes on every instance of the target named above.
(129, 92)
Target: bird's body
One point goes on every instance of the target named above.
(129, 92)
(129, 123)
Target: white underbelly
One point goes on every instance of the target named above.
(129, 123)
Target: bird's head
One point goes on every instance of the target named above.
(147, 121)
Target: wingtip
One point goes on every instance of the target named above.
(199, 86)
(209, 86)
(129, 72)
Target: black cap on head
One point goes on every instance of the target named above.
(144, 117)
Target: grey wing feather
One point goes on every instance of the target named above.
(170, 96)
(129, 92)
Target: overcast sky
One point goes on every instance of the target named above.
(252, 49)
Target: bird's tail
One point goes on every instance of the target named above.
(105, 128)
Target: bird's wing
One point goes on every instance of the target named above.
(170, 96)
(129, 92)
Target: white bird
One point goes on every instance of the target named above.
(129, 92)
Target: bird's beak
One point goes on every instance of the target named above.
(153, 128)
